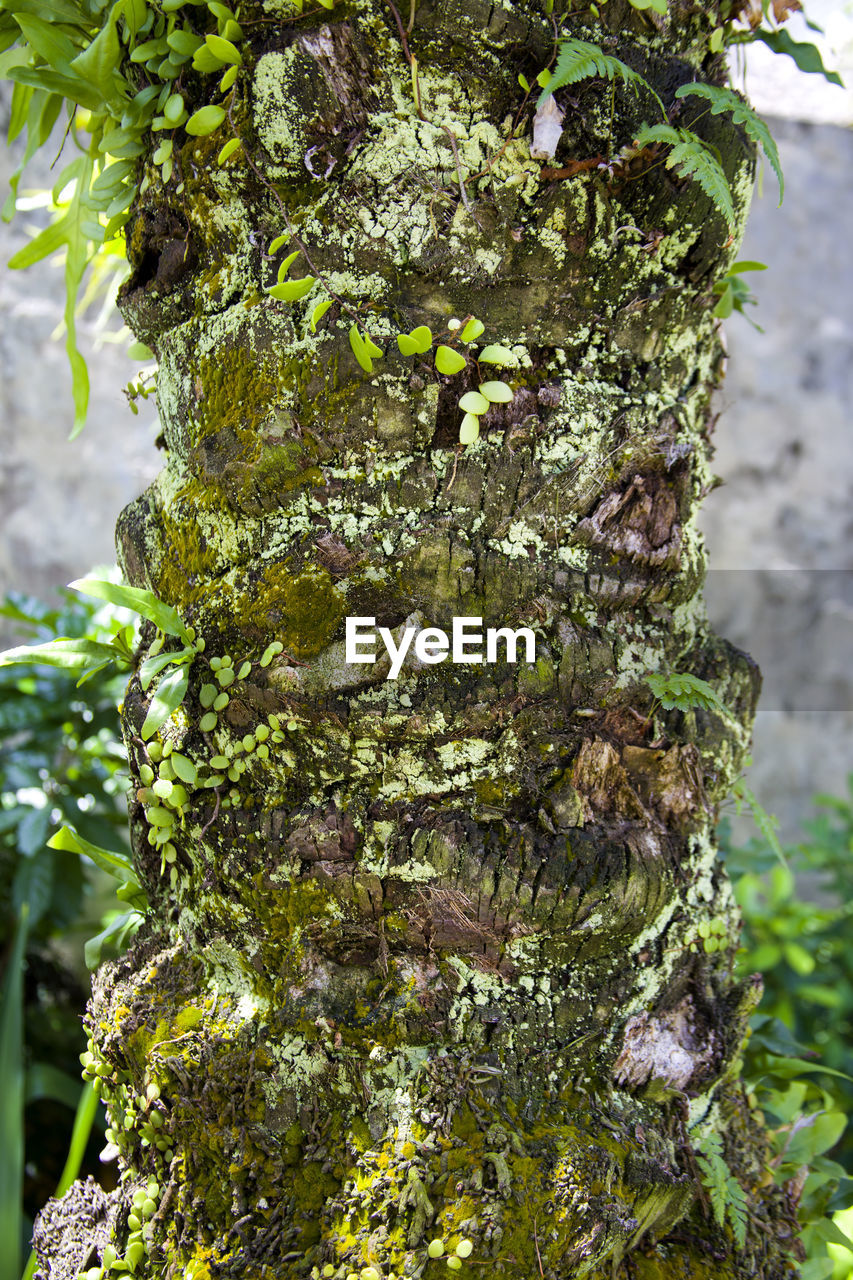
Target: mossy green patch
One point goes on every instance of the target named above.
(301, 608)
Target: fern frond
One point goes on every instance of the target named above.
(765, 821)
(680, 690)
(727, 100)
(695, 159)
(580, 60)
(728, 1199)
(736, 1210)
(714, 1170)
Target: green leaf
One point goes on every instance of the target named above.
(154, 665)
(135, 12)
(659, 6)
(228, 79)
(99, 62)
(496, 354)
(832, 1234)
(173, 108)
(46, 1081)
(184, 768)
(694, 160)
(292, 290)
(813, 1139)
(682, 691)
(32, 835)
(497, 392)
(726, 305)
(33, 885)
(143, 602)
(376, 353)
(68, 654)
(817, 1269)
(800, 960)
(46, 242)
(728, 1200)
(206, 61)
(139, 351)
(788, 1068)
(121, 142)
(117, 865)
(48, 42)
(737, 1210)
(112, 179)
(12, 1092)
(84, 1120)
(288, 262)
(171, 692)
(359, 349)
(149, 49)
(449, 361)
(73, 222)
(473, 402)
(714, 1169)
(115, 929)
(208, 694)
(224, 49)
(232, 145)
(472, 330)
(182, 42)
(21, 99)
(57, 11)
(580, 60)
(416, 343)
(74, 88)
(727, 100)
(470, 429)
(205, 121)
(806, 56)
(318, 312)
(737, 267)
(158, 816)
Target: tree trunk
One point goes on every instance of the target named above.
(427, 965)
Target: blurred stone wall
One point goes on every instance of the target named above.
(778, 530)
(58, 498)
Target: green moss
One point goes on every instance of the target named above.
(235, 392)
(303, 608)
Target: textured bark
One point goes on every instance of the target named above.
(424, 969)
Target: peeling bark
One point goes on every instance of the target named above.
(422, 968)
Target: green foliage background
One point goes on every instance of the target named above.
(61, 761)
(799, 1062)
